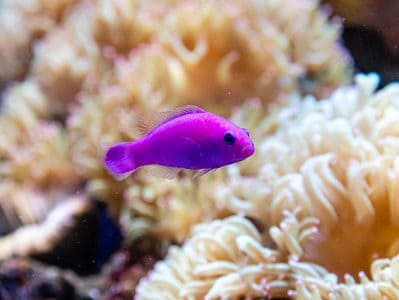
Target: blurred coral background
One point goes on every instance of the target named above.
(312, 215)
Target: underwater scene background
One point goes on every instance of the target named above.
(313, 214)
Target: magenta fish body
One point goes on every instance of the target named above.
(190, 139)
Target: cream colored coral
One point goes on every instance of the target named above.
(41, 237)
(112, 59)
(225, 259)
(169, 209)
(141, 51)
(335, 159)
(67, 57)
(23, 204)
(253, 48)
(22, 22)
(235, 49)
(228, 259)
(79, 55)
(35, 168)
(31, 148)
(210, 53)
(383, 284)
(125, 24)
(22, 107)
(109, 61)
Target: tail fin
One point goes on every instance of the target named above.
(119, 160)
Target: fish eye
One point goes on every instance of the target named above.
(229, 138)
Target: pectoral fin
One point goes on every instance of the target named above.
(203, 172)
(120, 177)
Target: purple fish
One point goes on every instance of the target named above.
(187, 138)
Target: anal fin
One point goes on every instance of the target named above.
(162, 171)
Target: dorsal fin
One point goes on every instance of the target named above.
(148, 122)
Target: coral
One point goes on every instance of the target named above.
(36, 207)
(23, 204)
(31, 146)
(67, 58)
(382, 285)
(94, 67)
(35, 173)
(228, 259)
(21, 108)
(100, 64)
(336, 160)
(253, 50)
(79, 55)
(126, 24)
(31, 159)
(41, 237)
(22, 23)
(169, 209)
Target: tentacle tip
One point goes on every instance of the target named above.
(293, 258)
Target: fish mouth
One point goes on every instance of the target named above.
(248, 150)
